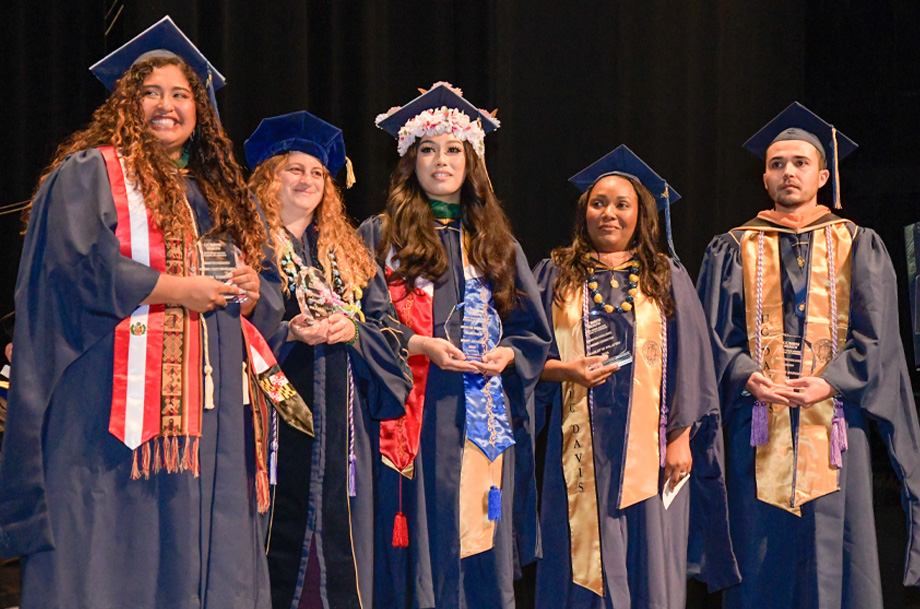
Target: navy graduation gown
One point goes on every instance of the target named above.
(828, 557)
(430, 573)
(311, 509)
(647, 552)
(91, 536)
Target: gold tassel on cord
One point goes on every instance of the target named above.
(349, 173)
(837, 204)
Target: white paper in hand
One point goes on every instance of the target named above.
(667, 495)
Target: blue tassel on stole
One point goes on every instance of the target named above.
(495, 503)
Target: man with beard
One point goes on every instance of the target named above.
(804, 316)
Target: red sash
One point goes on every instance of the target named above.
(139, 339)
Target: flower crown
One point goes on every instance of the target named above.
(435, 121)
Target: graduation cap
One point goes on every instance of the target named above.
(797, 122)
(623, 162)
(162, 39)
(301, 132)
(441, 96)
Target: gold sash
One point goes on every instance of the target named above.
(578, 458)
(792, 471)
(643, 460)
(641, 457)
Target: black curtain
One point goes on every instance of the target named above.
(681, 83)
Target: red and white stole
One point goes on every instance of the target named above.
(156, 387)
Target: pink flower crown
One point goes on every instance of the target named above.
(436, 121)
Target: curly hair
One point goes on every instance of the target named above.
(408, 227)
(120, 123)
(336, 230)
(654, 272)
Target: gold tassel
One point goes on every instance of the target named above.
(349, 173)
(836, 170)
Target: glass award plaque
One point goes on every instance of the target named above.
(802, 358)
(219, 257)
(316, 297)
(602, 333)
(475, 329)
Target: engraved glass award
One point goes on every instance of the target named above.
(602, 333)
(218, 258)
(316, 297)
(475, 328)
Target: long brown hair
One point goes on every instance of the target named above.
(336, 231)
(120, 123)
(654, 272)
(408, 227)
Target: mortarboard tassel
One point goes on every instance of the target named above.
(349, 173)
(210, 86)
(836, 169)
(667, 221)
(495, 503)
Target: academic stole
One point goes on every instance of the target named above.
(488, 426)
(641, 462)
(156, 385)
(157, 389)
(792, 470)
(400, 438)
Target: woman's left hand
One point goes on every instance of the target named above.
(495, 361)
(245, 277)
(341, 329)
(678, 461)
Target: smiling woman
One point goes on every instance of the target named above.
(632, 409)
(132, 467)
(461, 460)
(348, 365)
(169, 108)
(440, 166)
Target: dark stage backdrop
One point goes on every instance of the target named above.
(682, 83)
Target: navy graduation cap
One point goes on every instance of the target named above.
(301, 132)
(623, 162)
(797, 122)
(163, 38)
(441, 94)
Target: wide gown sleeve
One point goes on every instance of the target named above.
(546, 393)
(694, 402)
(871, 372)
(381, 366)
(527, 333)
(721, 291)
(74, 287)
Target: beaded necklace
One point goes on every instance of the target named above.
(631, 290)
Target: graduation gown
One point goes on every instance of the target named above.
(91, 536)
(645, 554)
(826, 558)
(311, 510)
(430, 573)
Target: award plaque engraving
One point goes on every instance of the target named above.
(601, 333)
(218, 258)
(474, 328)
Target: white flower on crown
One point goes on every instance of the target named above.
(436, 121)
